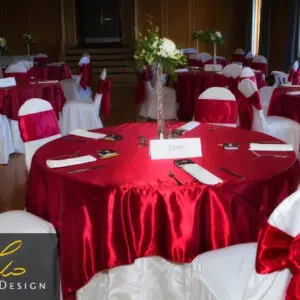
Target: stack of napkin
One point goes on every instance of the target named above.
(60, 163)
(87, 134)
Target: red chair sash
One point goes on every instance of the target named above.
(245, 109)
(216, 111)
(238, 58)
(277, 251)
(294, 77)
(86, 75)
(259, 66)
(38, 126)
(252, 78)
(219, 61)
(104, 88)
(140, 91)
(195, 63)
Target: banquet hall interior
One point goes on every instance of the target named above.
(158, 142)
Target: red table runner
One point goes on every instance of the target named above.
(284, 105)
(11, 99)
(131, 208)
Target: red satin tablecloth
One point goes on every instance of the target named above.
(11, 99)
(131, 208)
(284, 105)
(191, 84)
(51, 72)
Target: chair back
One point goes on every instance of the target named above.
(247, 73)
(99, 94)
(19, 70)
(259, 63)
(294, 75)
(285, 218)
(20, 221)
(38, 125)
(281, 78)
(189, 51)
(69, 88)
(232, 70)
(220, 60)
(217, 105)
(203, 56)
(41, 58)
(238, 55)
(253, 108)
(266, 93)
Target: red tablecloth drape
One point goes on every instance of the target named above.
(11, 99)
(52, 72)
(284, 105)
(131, 208)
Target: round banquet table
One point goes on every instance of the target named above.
(131, 208)
(285, 105)
(191, 84)
(54, 71)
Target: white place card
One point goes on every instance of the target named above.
(7, 82)
(214, 68)
(270, 147)
(175, 148)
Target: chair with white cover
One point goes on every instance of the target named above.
(259, 63)
(238, 56)
(294, 76)
(38, 125)
(218, 106)
(149, 106)
(284, 129)
(258, 271)
(6, 141)
(84, 79)
(232, 70)
(41, 58)
(80, 114)
(189, 51)
(266, 93)
(247, 73)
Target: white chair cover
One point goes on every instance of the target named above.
(247, 73)
(265, 96)
(280, 78)
(229, 273)
(79, 114)
(232, 70)
(6, 142)
(203, 56)
(217, 106)
(282, 128)
(249, 56)
(149, 106)
(239, 51)
(19, 67)
(33, 107)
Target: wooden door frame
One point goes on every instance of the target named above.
(68, 23)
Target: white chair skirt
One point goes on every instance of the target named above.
(17, 140)
(6, 141)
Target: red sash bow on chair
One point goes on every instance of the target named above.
(104, 88)
(86, 75)
(245, 109)
(238, 58)
(140, 91)
(263, 67)
(277, 251)
(294, 77)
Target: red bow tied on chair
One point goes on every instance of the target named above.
(294, 77)
(104, 88)
(86, 75)
(140, 91)
(277, 251)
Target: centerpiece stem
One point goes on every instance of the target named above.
(215, 53)
(197, 46)
(28, 49)
(160, 103)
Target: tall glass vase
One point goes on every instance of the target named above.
(197, 46)
(28, 49)
(160, 103)
(215, 53)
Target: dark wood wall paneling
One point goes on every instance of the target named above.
(177, 20)
(40, 19)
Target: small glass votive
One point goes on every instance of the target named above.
(143, 141)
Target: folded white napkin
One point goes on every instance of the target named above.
(293, 93)
(87, 134)
(289, 85)
(189, 126)
(201, 174)
(270, 147)
(60, 163)
(181, 70)
(194, 67)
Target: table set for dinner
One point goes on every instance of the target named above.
(110, 210)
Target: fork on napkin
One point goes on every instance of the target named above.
(88, 134)
(60, 163)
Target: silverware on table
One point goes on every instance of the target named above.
(73, 139)
(66, 155)
(257, 155)
(172, 175)
(143, 141)
(86, 169)
(231, 173)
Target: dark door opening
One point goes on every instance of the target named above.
(98, 22)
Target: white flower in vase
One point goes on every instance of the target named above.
(3, 43)
(218, 34)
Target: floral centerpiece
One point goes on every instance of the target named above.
(216, 38)
(198, 35)
(3, 49)
(151, 48)
(28, 41)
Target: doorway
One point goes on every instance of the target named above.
(99, 22)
